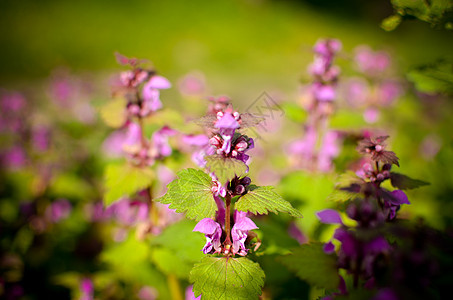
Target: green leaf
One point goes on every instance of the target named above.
(262, 200)
(227, 278)
(225, 168)
(191, 194)
(404, 182)
(180, 239)
(294, 112)
(390, 23)
(114, 113)
(123, 180)
(344, 180)
(311, 264)
(170, 263)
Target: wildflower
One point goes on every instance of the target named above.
(239, 232)
(212, 232)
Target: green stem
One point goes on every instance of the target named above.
(174, 287)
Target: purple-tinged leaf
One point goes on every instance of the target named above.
(386, 157)
(404, 182)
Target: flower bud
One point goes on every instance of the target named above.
(241, 146)
(378, 148)
(215, 141)
(380, 177)
(240, 189)
(246, 181)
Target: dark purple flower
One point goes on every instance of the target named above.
(212, 232)
(239, 232)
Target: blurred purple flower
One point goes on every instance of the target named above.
(212, 232)
(58, 210)
(371, 115)
(371, 62)
(86, 289)
(41, 138)
(160, 141)
(329, 216)
(388, 92)
(128, 212)
(297, 234)
(14, 158)
(329, 150)
(147, 293)
(190, 295)
(192, 84)
(151, 94)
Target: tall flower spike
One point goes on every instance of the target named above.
(212, 232)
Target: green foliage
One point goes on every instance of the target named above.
(129, 261)
(436, 12)
(125, 179)
(404, 182)
(433, 78)
(294, 112)
(313, 265)
(344, 180)
(71, 186)
(262, 200)
(390, 23)
(177, 249)
(227, 278)
(225, 168)
(191, 194)
(113, 113)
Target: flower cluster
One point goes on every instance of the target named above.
(141, 89)
(364, 247)
(320, 145)
(375, 89)
(227, 143)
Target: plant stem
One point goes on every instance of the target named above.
(227, 219)
(174, 287)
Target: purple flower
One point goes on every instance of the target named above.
(128, 212)
(388, 91)
(329, 216)
(193, 84)
(371, 62)
(200, 142)
(58, 210)
(41, 138)
(227, 124)
(239, 232)
(328, 151)
(151, 94)
(323, 92)
(160, 141)
(393, 203)
(371, 115)
(14, 158)
(147, 293)
(212, 232)
(86, 289)
(190, 295)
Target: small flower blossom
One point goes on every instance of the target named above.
(58, 210)
(239, 232)
(213, 232)
(160, 141)
(86, 289)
